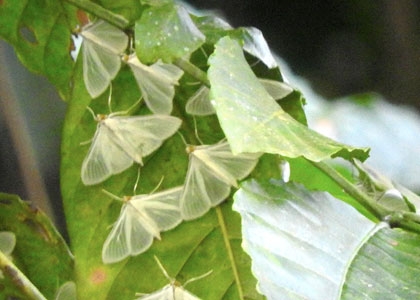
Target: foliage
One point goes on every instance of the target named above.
(210, 53)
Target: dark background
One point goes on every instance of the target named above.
(342, 47)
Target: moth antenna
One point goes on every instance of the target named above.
(182, 138)
(91, 112)
(254, 63)
(193, 83)
(196, 131)
(163, 269)
(110, 98)
(204, 52)
(86, 142)
(158, 185)
(197, 278)
(126, 112)
(137, 181)
(112, 195)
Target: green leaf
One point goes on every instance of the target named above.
(240, 99)
(40, 251)
(386, 266)
(167, 33)
(129, 9)
(319, 249)
(40, 32)
(212, 242)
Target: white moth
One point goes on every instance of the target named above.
(121, 140)
(7, 244)
(199, 104)
(67, 291)
(156, 83)
(141, 219)
(173, 290)
(102, 47)
(212, 170)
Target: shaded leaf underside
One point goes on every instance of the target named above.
(308, 245)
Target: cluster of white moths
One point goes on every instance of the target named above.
(121, 140)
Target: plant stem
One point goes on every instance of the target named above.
(366, 201)
(192, 70)
(230, 252)
(19, 279)
(101, 13)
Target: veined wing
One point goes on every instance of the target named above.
(139, 136)
(275, 88)
(225, 165)
(130, 235)
(104, 158)
(170, 292)
(202, 190)
(102, 46)
(199, 104)
(99, 68)
(162, 208)
(156, 83)
(105, 35)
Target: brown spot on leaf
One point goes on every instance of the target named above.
(98, 276)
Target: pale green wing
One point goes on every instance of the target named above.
(276, 89)
(162, 208)
(104, 158)
(224, 164)
(7, 242)
(67, 291)
(105, 35)
(199, 104)
(139, 136)
(181, 293)
(156, 83)
(102, 46)
(255, 44)
(165, 293)
(202, 190)
(130, 235)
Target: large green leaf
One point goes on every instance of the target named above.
(166, 32)
(40, 32)
(40, 251)
(212, 242)
(240, 99)
(323, 247)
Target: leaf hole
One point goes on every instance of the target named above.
(28, 34)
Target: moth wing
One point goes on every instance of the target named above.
(141, 135)
(156, 83)
(101, 61)
(7, 242)
(162, 208)
(104, 158)
(199, 104)
(202, 190)
(181, 293)
(165, 293)
(67, 291)
(107, 36)
(227, 166)
(275, 88)
(128, 236)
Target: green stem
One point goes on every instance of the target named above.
(229, 251)
(405, 221)
(19, 279)
(366, 201)
(192, 70)
(101, 13)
